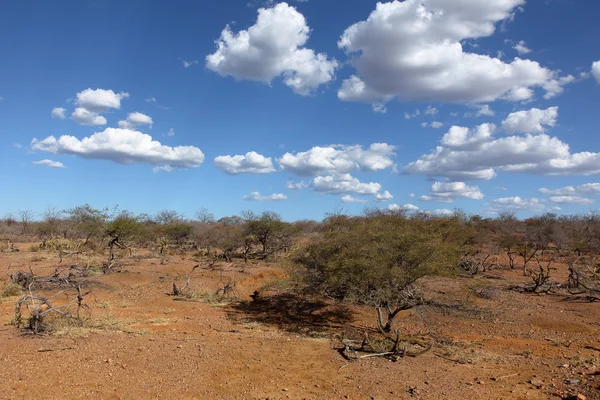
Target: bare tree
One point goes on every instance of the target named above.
(166, 217)
(204, 216)
(26, 217)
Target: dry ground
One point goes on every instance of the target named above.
(139, 343)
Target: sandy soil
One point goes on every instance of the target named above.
(139, 343)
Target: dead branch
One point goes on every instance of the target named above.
(180, 292)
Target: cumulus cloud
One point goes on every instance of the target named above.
(58, 112)
(482, 110)
(447, 192)
(296, 185)
(91, 103)
(251, 163)
(383, 197)
(379, 108)
(430, 111)
(49, 163)
(123, 146)
(406, 207)
(338, 159)
(413, 115)
(570, 200)
(517, 204)
(171, 132)
(413, 50)
(100, 100)
(349, 199)
(134, 119)
(187, 64)
(343, 184)
(530, 121)
(256, 196)
(521, 48)
(273, 47)
(572, 194)
(475, 154)
(596, 71)
(85, 117)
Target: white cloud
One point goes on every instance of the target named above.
(566, 191)
(530, 121)
(406, 207)
(94, 102)
(434, 124)
(150, 100)
(349, 199)
(383, 197)
(123, 146)
(344, 184)
(522, 48)
(466, 155)
(171, 132)
(571, 192)
(447, 192)
(338, 159)
(517, 204)
(18, 146)
(411, 195)
(49, 163)
(596, 71)
(58, 112)
(271, 48)
(296, 186)
(164, 168)
(435, 199)
(256, 196)
(134, 119)
(555, 87)
(85, 117)
(430, 111)
(379, 108)
(100, 100)
(442, 212)
(589, 188)
(411, 116)
(187, 64)
(251, 163)
(570, 200)
(482, 110)
(413, 50)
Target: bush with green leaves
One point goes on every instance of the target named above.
(378, 259)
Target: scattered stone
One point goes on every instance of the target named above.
(572, 381)
(537, 383)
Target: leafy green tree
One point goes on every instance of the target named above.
(265, 228)
(121, 229)
(88, 222)
(377, 260)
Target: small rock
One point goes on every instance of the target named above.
(537, 383)
(572, 381)
(581, 397)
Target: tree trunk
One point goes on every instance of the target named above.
(389, 320)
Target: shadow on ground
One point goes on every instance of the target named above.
(292, 313)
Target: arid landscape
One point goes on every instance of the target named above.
(152, 326)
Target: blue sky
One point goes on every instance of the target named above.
(300, 107)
